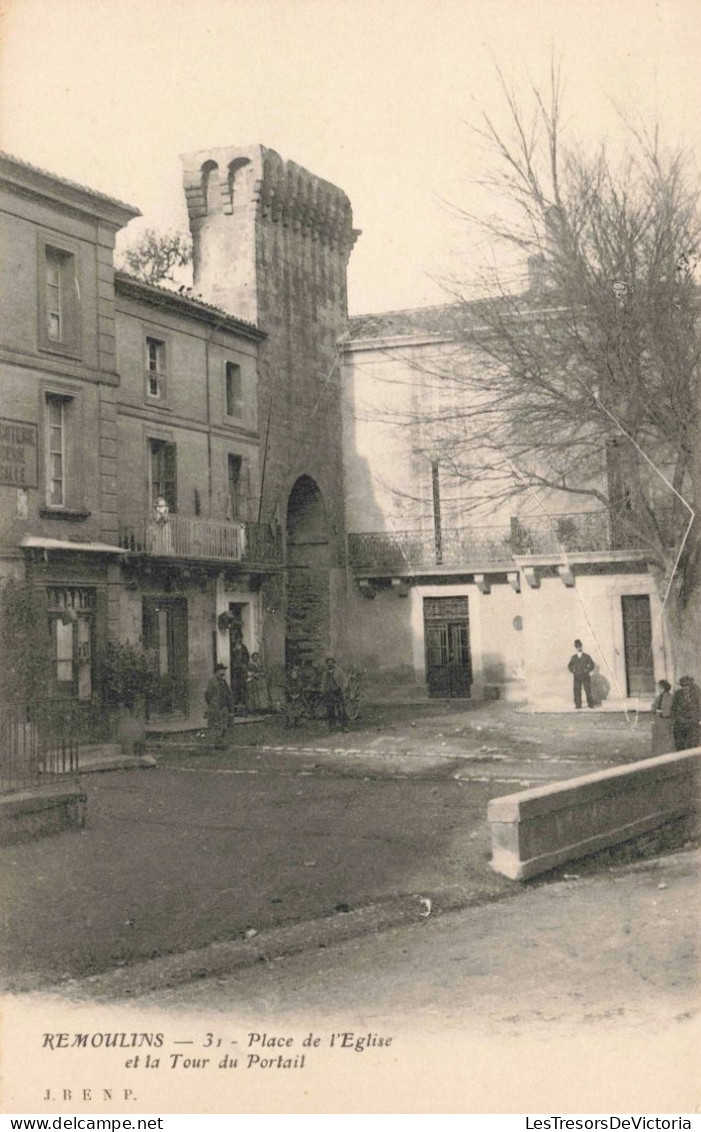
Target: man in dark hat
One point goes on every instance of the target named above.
(220, 706)
(686, 714)
(581, 666)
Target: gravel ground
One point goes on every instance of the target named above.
(283, 828)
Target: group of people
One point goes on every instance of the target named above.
(301, 691)
(676, 717)
(249, 682)
(246, 694)
(248, 691)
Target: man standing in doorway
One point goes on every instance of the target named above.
(239, 672)
(220, 706)
(581, 666)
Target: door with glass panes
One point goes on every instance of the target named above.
(447, 638)
(165, 637)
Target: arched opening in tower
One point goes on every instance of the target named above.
(308, 599)
(211, 187)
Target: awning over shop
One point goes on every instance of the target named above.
(32, 542)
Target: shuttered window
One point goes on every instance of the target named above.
(239, 487)
(59, 301)
(234, 391)
(163, 472)
(55, 451)
(155, 368)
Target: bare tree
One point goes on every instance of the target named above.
(585, 385)
(155, 255)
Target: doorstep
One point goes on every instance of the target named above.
(181, 725)
(109, 756)
(173, 724)
(629, 706)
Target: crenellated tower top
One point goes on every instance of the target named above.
(244, 203)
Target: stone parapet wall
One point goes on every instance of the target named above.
(38, 813)
(539, 829)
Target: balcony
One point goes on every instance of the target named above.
(406, 552)
(204, 540)
(578, 533)
(466, 549)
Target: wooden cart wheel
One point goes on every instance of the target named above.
(352, 695)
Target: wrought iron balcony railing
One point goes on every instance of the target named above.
(183, 537)
(411, 550)
(580, 532)
(586, 532)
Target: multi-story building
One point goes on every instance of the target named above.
(188, 443)
(59, 383)
(116, 394)
(467, 599)
(163, 454)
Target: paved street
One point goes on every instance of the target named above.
(213, 845)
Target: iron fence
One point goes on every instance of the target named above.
(39, 743)
(19, 751)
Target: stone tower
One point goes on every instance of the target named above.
(271, 245)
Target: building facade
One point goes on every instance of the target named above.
(188, 442)
(172, 472)
(59, 379)
(181, 468)
(117, 394)
(452, 599)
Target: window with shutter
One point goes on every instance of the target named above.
(156, 369)
(245, 488)
(164, 472)
(55, 451)
(234, 391)
(59, 308)
(234, 486)
(239, 487)
(61, 473)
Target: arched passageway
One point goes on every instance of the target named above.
(307, 597)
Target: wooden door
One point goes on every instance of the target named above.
(637, 644)
(447, 638)
(165, 636)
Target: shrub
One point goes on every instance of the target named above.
(126, 674)
(24, 647)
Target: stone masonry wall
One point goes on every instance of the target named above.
(291, 277)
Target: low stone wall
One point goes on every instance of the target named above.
(539, 829)
(38, 813)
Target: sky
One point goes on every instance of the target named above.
(376, 96)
